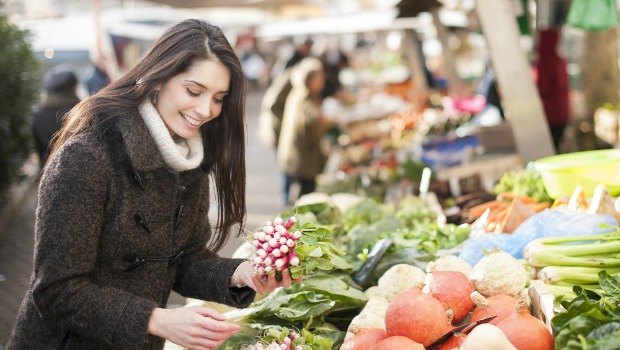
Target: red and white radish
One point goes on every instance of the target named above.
(275, 246)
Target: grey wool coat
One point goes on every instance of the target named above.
(116, 231)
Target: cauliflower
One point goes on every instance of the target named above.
(366, 320)
(449, 263)
(400, 278)
(372, 292)
(376, 306)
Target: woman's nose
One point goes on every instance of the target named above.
(203, 108)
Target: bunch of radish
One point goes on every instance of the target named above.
(291, 339)
(289, 244)
(285, 344)
(274, 246)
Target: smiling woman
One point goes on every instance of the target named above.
(123, 202)
(193, 98)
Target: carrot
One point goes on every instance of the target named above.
(478, 210)
(539, 206)
(511, 196)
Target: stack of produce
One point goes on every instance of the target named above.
(520, 195)
(286, 339)
(420, 314)
(562, 262)
(590, 320)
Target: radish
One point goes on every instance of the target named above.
(287, 339)
(284, 244)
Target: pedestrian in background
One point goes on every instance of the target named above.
(302, 50)
(122, 215)
(552, 82)
(60, 96)
(98, 77)
(303, 125)
(272, 109)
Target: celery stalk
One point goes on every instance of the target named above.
(566, 292)
(572, 274)
(609, 245)
(542, 259)
(603, 251)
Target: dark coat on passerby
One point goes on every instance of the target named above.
(60, 97)
(117, 229)
(553, 83)
(97, 80)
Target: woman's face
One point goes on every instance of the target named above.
(193, 98)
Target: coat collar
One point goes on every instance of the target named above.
(134, 148)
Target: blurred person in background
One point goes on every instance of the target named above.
(60, 84)
(334, 60)
(303, 125)
(123, 202)
(302, 50)
(552, 82)
(253, 67)
(272, 109)
(98, 77)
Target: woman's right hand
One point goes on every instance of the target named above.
(196, 328)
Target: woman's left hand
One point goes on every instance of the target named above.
(246, 273)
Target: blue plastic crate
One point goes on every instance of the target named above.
(438, 153)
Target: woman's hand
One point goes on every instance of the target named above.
(196, 328)
(246, 273)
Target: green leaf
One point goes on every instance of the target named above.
(318, 252)
(610, 284)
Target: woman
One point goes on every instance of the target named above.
(303, 125)
(122, 216)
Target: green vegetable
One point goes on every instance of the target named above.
(527, 182)
(316, 251)
(306, 339)
(572, 274)
(590, 320)
(601, 251)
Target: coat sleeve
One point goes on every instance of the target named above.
(204, 275)
(69, 219)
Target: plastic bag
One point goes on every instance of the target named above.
(548, 223)
(593, 15)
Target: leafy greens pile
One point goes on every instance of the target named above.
(591, 321)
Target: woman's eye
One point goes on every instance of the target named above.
(218, 100)
(192, 93)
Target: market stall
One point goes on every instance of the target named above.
(428, 233)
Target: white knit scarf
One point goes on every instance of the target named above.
(181, 154)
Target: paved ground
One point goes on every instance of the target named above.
(16, 235)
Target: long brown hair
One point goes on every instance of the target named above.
(180, 47)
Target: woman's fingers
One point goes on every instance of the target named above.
(259, 287)
(267, 284)
(209, 312)
(195, 327)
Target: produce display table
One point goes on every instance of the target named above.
(490, 168)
